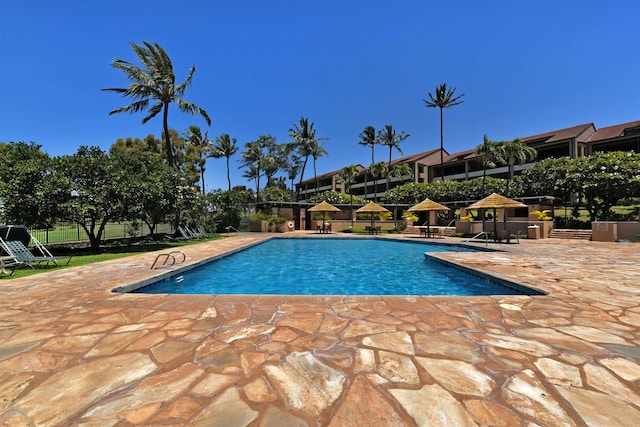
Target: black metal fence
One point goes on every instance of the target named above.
(69, 233)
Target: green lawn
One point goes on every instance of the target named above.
(107, 253)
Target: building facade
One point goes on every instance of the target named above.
(573, 142)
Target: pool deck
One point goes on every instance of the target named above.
(74, 353)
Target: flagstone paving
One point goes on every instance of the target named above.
(74, 353)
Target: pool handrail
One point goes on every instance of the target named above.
(486, 237)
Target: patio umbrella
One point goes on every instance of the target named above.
(428, 205)
(496, 201)
(323, 206)
(372, 208)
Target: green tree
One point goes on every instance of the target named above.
(348, 175)
(444, 98)
(200, 148)
(154, 88)
(260, 158)
(378, 170)
(90, 194)
(305, 143)
(487, 156)
(225, 146)
(369, 138)
(513, 153)
(399, 172)
(317, 151)
(390, 138)
(602, 180)
(149, 187)
(25, 184)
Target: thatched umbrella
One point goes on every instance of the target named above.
(324, 206)
(372, 208)
(496, 201)
(428, 205)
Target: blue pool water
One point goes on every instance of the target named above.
(331, 267)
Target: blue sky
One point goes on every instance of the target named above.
(524, 67)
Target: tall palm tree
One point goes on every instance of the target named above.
(200, 148)
(389, 137)
(398, 172)
(348, 175)
(369, 138)
(444, 98)
(156, 83)
(317, 151)
(252, 159)
(514, 153)
(487, 156)
(378, 170)
(305, 142)
(225, 146)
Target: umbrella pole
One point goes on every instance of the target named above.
(495, 225)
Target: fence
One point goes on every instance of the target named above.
(69, 233)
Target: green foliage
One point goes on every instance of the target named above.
(228, 207)
(153, 87)
(335, 197)
(276, 194)
(25, 183)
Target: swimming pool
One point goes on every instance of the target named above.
(299, 266)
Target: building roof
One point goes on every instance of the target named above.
(559, 135)
(415, 157)
(542, 138)
(614, 131)
(332, 173)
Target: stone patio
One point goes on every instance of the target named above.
(74, 353)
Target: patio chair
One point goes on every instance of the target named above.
(9, 263)
(22, 254)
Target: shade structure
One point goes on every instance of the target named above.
(324, 206)
(372, 208)
(428, 205)
(496, 201)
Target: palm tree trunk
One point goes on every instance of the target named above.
(441, 149)
(167, 139)
(228, 176)
(304, 166)
(389, 167)
(315, 175)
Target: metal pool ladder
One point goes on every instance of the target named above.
(168, 260)
(486, 237)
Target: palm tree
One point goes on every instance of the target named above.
(369, 138)
(390, 138)
(317, 151)
(199, 147)
(444, 98)
(487, 156)
(515, 152)
(252, 159)
(398, 172)
(305, 142)
(348, 176)
(155, 82)
(378, 170)
(225, 146)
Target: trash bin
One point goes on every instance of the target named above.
(534, 231)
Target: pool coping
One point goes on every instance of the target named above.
(572, 357)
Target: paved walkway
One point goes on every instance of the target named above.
(74, 353)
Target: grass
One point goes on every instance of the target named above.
(84, 257)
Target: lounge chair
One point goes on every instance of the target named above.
(22, 254)
(8, 263)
